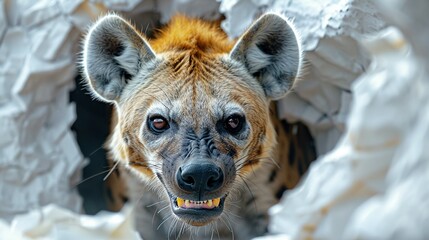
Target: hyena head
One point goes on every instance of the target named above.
(192, 108)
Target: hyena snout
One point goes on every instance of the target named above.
(200, 179)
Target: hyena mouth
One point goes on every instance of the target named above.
(189, 204)
(197, 213)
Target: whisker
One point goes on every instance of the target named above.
(111, 170)
(145, 92)
(91, 177)
(172, 226)
(153, 216)
(165, 94)
(153, 204)
(233, 214)
(96, 150)
(256, 160)
(163, 209)
(217, 230)
(235, 204)
(182, 228)
(250, 191)
(166, 219)
(230, 229)
(228, 218)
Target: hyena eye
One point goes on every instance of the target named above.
(234, 123)
(158, 124)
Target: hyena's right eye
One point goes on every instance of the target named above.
(158, 124)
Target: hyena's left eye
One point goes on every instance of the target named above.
(158, 124)
(234, 123)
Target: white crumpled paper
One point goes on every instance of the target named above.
(373, 185)
(207, 9)
(333, 57)
(53, 222)
(40, 162)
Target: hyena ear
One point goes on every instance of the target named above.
(270, 51)
(113, 54)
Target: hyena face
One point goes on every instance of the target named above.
(193, 110)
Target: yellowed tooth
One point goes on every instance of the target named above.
(180, 202)
(216, 202)
(209, 203)
(187, 204)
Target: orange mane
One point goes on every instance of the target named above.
(194, 35)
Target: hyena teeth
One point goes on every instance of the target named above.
(180, 202)
(216, 202)
(211, 203)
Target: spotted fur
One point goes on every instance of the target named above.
(194, 77)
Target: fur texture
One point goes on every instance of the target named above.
(196, 80)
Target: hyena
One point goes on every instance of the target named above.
(194, 131)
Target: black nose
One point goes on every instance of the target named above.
(200, 178)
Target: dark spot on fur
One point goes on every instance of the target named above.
(276, 127)
(231, 152)
(250, 201)
(259, 150)
(175, 65)
(273, 176)
(124, 199)
(286, 125)
(260, 216)
(191, 65)
(280, 192)
(126, 139)
(117, 172)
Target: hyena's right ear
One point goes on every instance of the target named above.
(113, 54)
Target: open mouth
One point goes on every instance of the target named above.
(198, 213)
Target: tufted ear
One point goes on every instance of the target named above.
(270, 51)
(113, 54)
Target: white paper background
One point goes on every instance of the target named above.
(53, 222)
(40, 161)
(373, 185)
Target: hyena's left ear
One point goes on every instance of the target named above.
(113, 54)
(271, 53)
